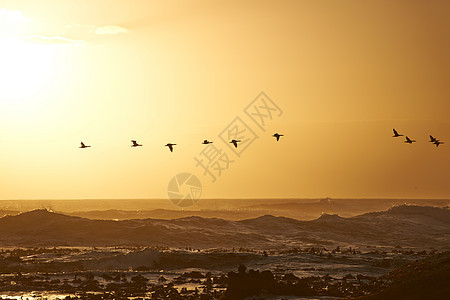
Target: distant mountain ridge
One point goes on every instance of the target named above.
(409, 226)
(229, 209)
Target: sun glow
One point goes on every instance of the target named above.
(25, 70)
(24, 67)
(28, 70)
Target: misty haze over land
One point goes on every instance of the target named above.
(399, 225)
(229, 209)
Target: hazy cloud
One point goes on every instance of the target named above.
(110, 29)
(53, 40)
(13, 22)
(12, 16)
(82, 29)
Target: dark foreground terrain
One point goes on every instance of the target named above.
(401, 253)
(425, 278)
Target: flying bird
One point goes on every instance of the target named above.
(206, 142)
(396, 133)
(135, 144)
(409, 141)
(277, 135)
(432, 139)
(170, 146)
(234, 142)
(438, 142)
(83, 145)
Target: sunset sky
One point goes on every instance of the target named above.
(342, 73)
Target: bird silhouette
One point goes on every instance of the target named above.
(438, 142)
(277, 135)
(170, 146)
(433, 139)
(83, 145)
(396, 133)
(409, 141)
(234, 142)
(206, 142)
(135, 144)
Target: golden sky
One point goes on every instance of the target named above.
(344, 73)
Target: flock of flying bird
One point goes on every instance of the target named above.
(277, 136)
(205, 142)
(409, 141)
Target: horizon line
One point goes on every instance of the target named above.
(234, 198)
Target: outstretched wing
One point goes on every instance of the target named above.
(82, 144)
